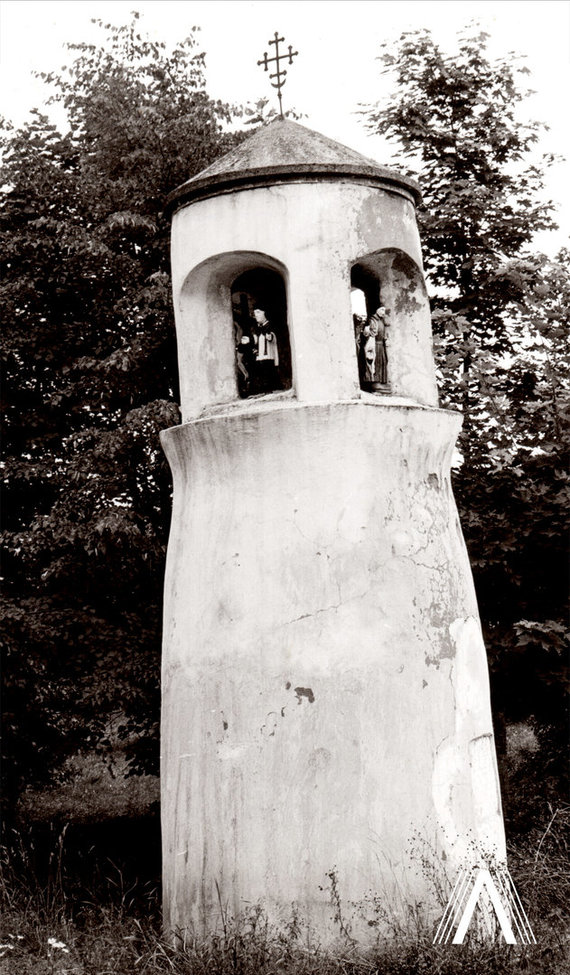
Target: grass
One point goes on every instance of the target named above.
(60, 929)
(92, 785)
(55, 923)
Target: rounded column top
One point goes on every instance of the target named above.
(284, 151)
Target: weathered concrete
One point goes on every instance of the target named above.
(312, 235)
(283, 151)
(325, 688)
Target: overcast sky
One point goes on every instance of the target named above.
(338, 42)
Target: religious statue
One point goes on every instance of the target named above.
(371, 350)
(245, 350)
(266, 353)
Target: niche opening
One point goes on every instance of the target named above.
(263, 349)
(370, 321)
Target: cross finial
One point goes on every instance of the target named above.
(280, 74)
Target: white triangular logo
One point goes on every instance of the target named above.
(503, 896)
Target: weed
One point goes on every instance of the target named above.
(53, 925)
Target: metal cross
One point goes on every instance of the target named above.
(279, 74)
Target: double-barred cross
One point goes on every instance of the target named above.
(280, 74)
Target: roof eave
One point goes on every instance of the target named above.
(202, 188)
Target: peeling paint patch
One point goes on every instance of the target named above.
(446, 646)
(484, 779)
(304, 692)
(432, 661)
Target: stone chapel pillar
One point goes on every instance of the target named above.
(325, 686)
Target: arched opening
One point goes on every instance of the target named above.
(263, 349)
(392, 326)
(370, 319)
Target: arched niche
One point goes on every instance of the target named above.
(263, 351)
(393, 336)
(207, 332)
(370, 329)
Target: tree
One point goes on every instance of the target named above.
(454, 116)
(500, 317)
(89, 357)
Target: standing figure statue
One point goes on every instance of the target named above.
(371, 349)
(245, 351)
(266, 369)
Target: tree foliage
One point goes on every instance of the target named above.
(500, 317)
(90, 374)
(89, 358)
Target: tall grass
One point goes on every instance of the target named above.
(51, 923)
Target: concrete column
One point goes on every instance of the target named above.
(325, 701)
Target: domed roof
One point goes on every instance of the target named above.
(284, 151)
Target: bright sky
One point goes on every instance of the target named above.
(337, 41)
